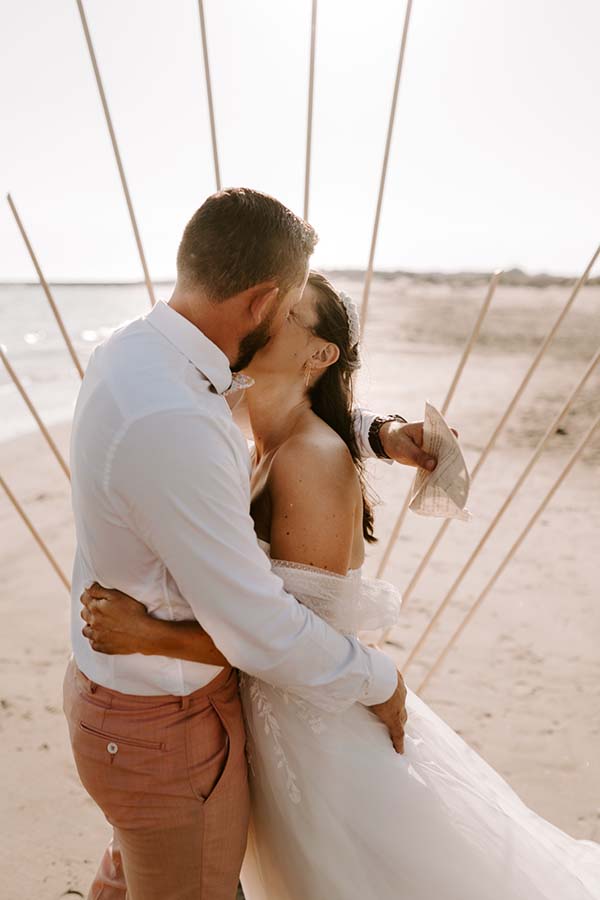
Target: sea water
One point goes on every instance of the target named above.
(37, 351)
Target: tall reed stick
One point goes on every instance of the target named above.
(46, 434)
(571, 462)
(115, 146)
(309, 120)
(46, 288)
(551, 430)
(36, 535)
(388, 143)
(209, 95)
(505, 417)
(447, 400)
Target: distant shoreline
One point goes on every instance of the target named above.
(512, 277)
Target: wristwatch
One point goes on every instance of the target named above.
(375, 433)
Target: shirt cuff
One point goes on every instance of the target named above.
(362, 419)
(383, 680)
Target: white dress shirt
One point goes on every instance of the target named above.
(161, 498)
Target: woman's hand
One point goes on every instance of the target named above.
(115, 622)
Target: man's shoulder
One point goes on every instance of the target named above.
(139, 388)
(173, 445)
(135, 336)
(145, 374)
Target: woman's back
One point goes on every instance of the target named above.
(307, 499)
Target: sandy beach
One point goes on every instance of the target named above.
(522, 684)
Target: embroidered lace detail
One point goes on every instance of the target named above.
(349, 603)
(303, 567)
(306, 712)
(272, 728)
(264, 708)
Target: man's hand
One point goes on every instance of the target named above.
(115, 622)
(393, 714)
(404, 444)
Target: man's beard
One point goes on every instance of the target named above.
(251, 344)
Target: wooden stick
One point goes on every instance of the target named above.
(447, 400)
(36, 535)
(573, 459)
(503, 420)
(311, 90)
(34, 413)
(471, 340)
(386, 155)
(516, 487)
(211, 109)
(115, 147)
(45, 287)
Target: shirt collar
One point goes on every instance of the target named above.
(194, 345)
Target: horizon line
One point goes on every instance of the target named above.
(512, 275)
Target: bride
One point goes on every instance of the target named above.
(336, 813)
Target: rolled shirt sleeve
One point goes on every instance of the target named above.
(362, 420)
(177, 480)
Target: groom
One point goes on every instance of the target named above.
(161, 503)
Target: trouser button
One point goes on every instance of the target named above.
(112, 747)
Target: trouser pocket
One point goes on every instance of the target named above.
(119, 740)
(208, 750)
(125, 764)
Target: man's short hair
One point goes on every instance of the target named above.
(239, 238)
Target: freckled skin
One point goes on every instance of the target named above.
(295, 514)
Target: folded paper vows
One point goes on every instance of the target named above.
(443, 492)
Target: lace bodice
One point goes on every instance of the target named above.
(349, 603)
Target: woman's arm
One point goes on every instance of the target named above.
(116, 623)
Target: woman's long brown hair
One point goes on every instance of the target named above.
(332, 396)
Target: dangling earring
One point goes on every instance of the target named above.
(308, 374)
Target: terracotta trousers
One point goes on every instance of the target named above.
(170, 775)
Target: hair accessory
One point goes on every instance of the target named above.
(353, 318)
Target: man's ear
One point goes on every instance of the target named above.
(327, 356)
(261, 299)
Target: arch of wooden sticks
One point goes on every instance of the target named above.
(470, 343)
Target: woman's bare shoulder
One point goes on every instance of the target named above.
(315, 495)
(316, 450)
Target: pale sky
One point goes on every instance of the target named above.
(495, 159)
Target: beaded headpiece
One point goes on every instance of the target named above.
(353, 318)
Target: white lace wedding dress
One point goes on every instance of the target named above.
(338, 815)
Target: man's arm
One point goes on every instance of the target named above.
(176, 476)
